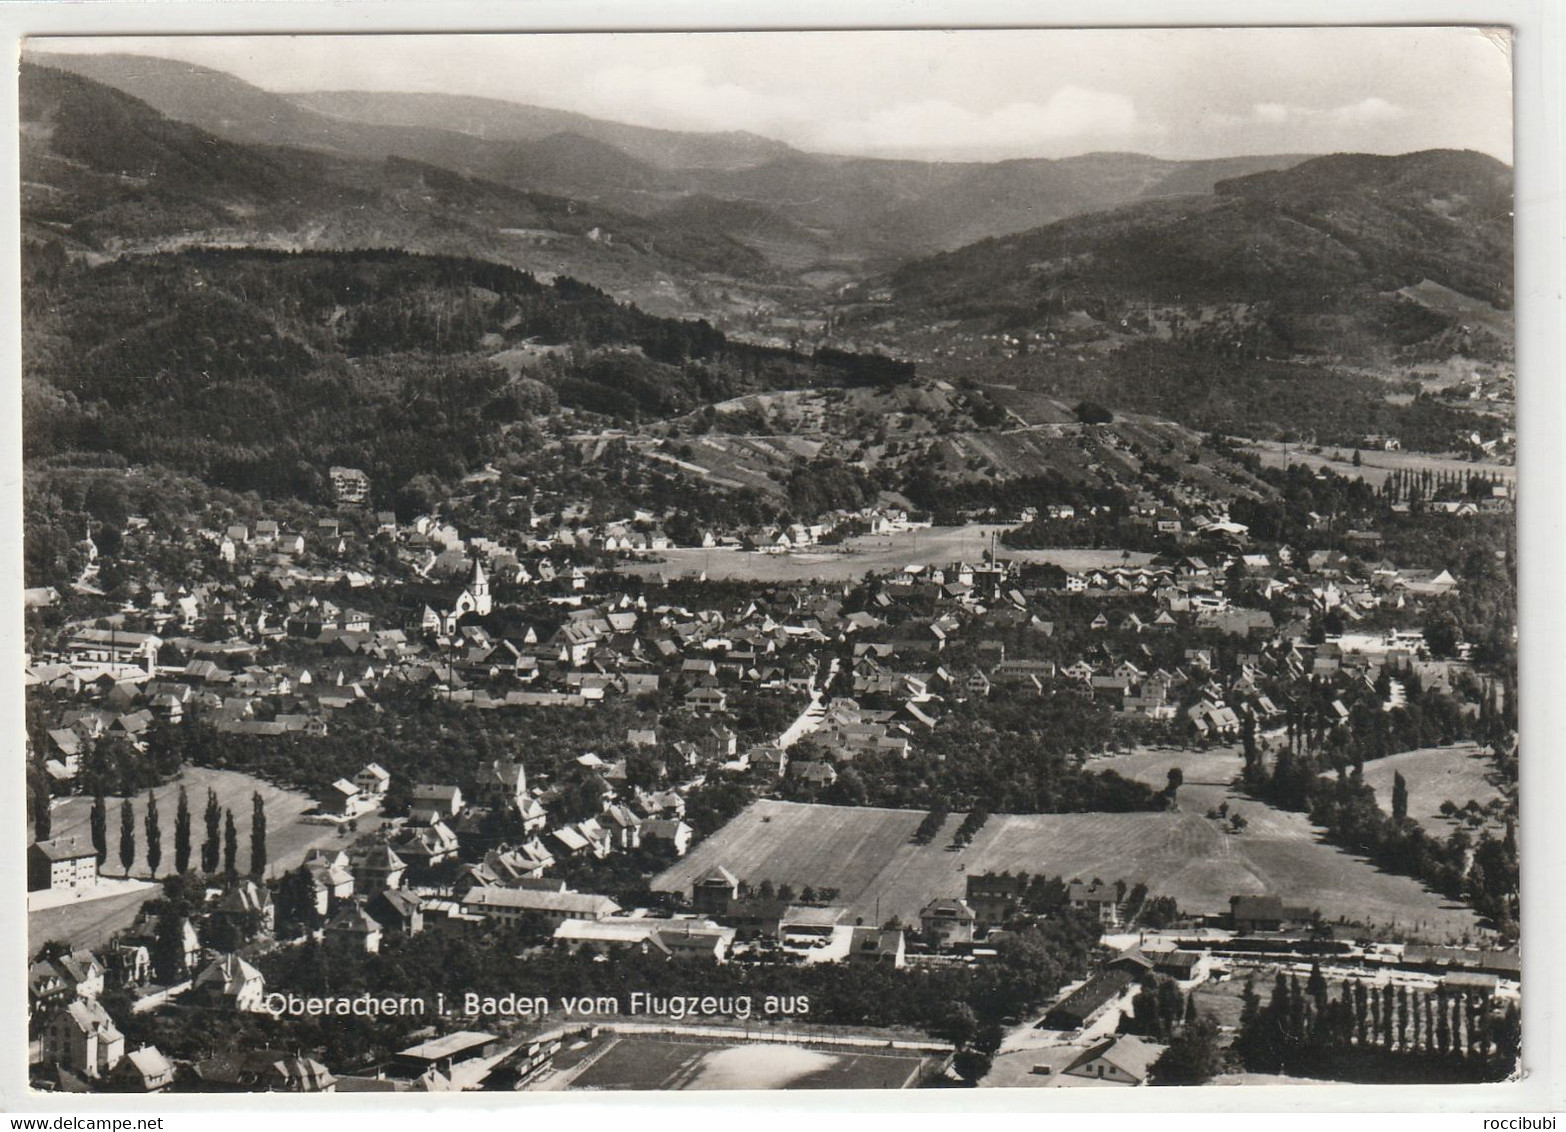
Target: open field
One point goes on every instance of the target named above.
(1028, 406)
(1456, 305)
(1031, 451)
(87, 923)
(1226, 1000)
(288, 839)
(1375, 466)
(1434, 775)
(867, 854)
(882, 554)
(650, 1063)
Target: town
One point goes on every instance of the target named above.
(518, 601)
(541, 737)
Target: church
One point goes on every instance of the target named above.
(439, 608)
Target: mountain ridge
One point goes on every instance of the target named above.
(874, 210)
(1314, 257)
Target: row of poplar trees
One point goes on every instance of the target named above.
(220, 846)
(1302, 1025)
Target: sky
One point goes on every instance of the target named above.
(948, 95)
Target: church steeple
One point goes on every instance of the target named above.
(479, 588)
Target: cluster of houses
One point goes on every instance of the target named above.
(452, 639)
(75, 1045)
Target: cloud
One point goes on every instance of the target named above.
(1070, 113)
(1368, 110)
(687, 97)
(683, 97)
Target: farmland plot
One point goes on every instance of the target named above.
(868, 855)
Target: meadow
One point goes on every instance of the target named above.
(869, 856)
(1458, 774)
(879, 554)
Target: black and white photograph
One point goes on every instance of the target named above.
(962, 559)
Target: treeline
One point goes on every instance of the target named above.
(1482, 871)
(418, 740)
(1385, 1033)
(930, 486)
(1006, 755)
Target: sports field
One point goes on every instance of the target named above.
(655, 1064)
(867, 854)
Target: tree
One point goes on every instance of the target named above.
(212, 846)
(1248, 740)
(168, 949)
(1171, 1008)
(1250, 1003)
(1316, 987)
(38, 796)
(1443, 634)
(1399, 797)
(127, 835)
(154, 831)
(257, 836)
(1090, 412)
(296, 899)
(230, 843)
(1192, 1057)
(100, 828)
(971, 1065)
(960, 1024)
(182, 833)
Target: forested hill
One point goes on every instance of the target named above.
(259, 369)
(1330, 254)
(105, 173)
(802, 213)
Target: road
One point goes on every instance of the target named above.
(814, 712)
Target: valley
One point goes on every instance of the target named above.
(976, 599)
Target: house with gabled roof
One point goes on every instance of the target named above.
(83, 1039)
(352, 926)
(229, 983)
(397, 910)
(714, 891)
(671, 831)
(264, 1071)
(1121, 1059)
(373, 780)
(435, 802)
(947, 920)
(376, 869)
(144, 1070)
(428, 846)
